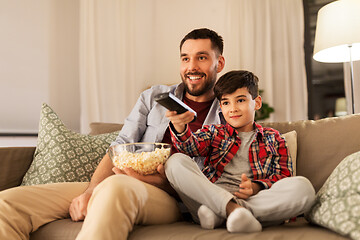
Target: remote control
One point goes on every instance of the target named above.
(172, 103)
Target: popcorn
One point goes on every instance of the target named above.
(144, 162)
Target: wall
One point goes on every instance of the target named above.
(159, 26)
(39, 53)
(173, 24)
(38, 62)
(130, 45)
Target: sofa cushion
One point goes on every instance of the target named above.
(63, 229)
(290, 138)
(67, 230)
(185, 230)
(318, 151)
(62, 155)
(337, 204)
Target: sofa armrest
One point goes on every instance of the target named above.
(14, 162)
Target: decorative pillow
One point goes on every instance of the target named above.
(291, 140)
(62, 155)
(337, 204)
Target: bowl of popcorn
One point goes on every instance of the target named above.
(144, 158)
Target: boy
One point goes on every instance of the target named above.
(247, 170)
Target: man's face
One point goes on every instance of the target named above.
(239, 109)
(199, 66)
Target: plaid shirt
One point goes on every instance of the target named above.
(269, 156)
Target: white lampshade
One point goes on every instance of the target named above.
(338, 26)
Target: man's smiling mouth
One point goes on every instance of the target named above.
(194, 77)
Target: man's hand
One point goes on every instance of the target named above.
(247, 188)
(179, 120)
(78, 206)
(157, 179)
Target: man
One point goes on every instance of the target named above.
(111, 205)
(201, 60)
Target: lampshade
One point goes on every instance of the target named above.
(338, 26)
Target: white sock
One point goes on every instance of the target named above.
(242, 221)
(208, 219)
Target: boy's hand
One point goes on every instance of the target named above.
(247, 188)
(180, 120)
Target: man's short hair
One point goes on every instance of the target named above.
(217, 42)
(233, 80)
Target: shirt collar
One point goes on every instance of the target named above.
(259, 129)
(179, 91)
(232, 131)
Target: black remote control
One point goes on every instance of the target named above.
(172, 103)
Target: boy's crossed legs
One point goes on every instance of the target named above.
(208, 202)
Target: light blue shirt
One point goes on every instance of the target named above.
(147, 121)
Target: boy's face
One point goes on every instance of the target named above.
(239, 109)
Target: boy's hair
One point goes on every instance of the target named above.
(233, 80)
(217, 42)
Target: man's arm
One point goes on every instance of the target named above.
(79, 204)
(78, 207)
(103, 171)
(157, 179)
(132, 131)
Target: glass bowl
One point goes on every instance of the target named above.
(144, 158)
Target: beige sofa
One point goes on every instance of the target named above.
(321, 145)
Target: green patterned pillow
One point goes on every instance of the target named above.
(62, 155)
(337, 204)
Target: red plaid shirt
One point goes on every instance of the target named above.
(269, 156)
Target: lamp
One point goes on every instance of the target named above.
(337, 37)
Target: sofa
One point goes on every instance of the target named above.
(321, 145)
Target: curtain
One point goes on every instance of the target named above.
(106, 61)
(129, 45)
(267, 37)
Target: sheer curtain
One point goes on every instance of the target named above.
(106, 60)
(267, 37)
(128, 45)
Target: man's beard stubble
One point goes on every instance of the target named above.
(206, 87)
